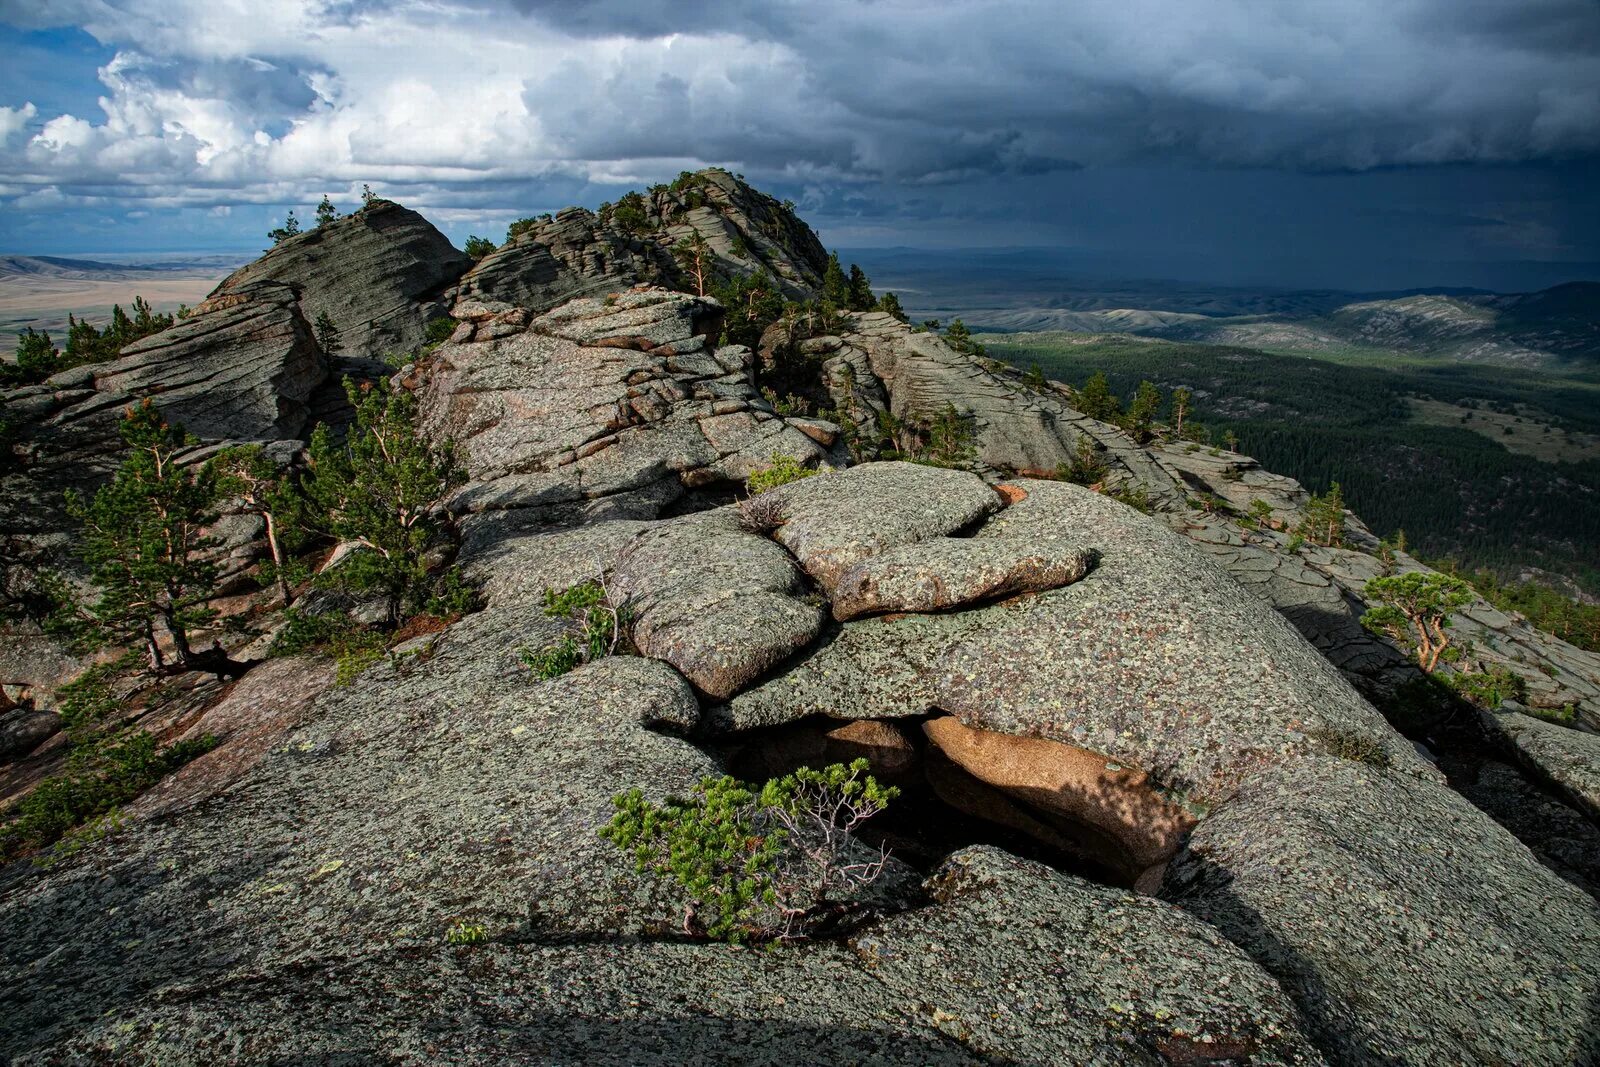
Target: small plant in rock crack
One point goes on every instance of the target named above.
(598, 624)
(776, 864)
(760, 514)
(781, 471)
(465, 933)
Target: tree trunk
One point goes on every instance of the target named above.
(277, 558)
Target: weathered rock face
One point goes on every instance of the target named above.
(379, 273)
(242, 367)
(454, 791)
(616, 403)
(575, 253)
(1408, 926)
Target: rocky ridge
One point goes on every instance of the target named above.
(1249, 863)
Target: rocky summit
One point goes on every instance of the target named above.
(1163, 799)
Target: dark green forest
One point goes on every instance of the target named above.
(1456, 493)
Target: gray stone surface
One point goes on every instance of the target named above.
(719, 604)
(954, 572)
(1156, 658)
(243, 366)
(601, 399)
(1408, 926)
(833, 523)
(455, 790)
(1567, 757)
(379, 273)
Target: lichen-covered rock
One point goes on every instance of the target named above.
(1046, 962)
(379, 273)
(953, 572)
(1409, 927)
(832, 524)
(243, 366)
(718, 603)
(1559, 754)
(598, 400)
(1157, 658)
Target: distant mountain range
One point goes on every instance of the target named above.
(1013, 292)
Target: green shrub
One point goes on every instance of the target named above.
(781, 471)
(465, 933)
(765, 864)
(598, 623)
(1088, 466)
(1489, 688)
(99, 777)
(478, 247)
(1414, 611)
(439, 330)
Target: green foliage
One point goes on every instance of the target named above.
(465, 933)
(952, 440)
(781, 471)
(1182, 400)
(1414, 610)
(380, 488)
(143, 539)
(1322, 522)
(752, 304)
(890, 303)
(1033, 379)
(38, 358)
(326, 212)
(694, 259)
(631, 214)
(756, 864)
(1088, 466)
(478, 247)
(367, 196)
(260, 487)
(522, 226)
(439, 329)
(598, 626)
(1488, 688)
(835, 286)
(1134, 495)
(960, 338)
(290, 228)
(100, 776)
(859, 290)
(1097, 401)
(1142, 410)
(328, 337)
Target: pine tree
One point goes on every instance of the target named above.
(1097, 401)
(326, 212)
(1323, 522)
(1142, 411)
(835, 287)
(1180, 408)
(261, 488)
(379, 489)
(1414, 609)
(37, 358)
(859, 288)
(693, 255)
(367, 196)
(144, 544)
(890, 303)
(328, 336)
(290, 228)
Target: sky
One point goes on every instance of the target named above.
(1337, 143)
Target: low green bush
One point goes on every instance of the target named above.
(781, 471)
(767, 864)
(598, 626)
